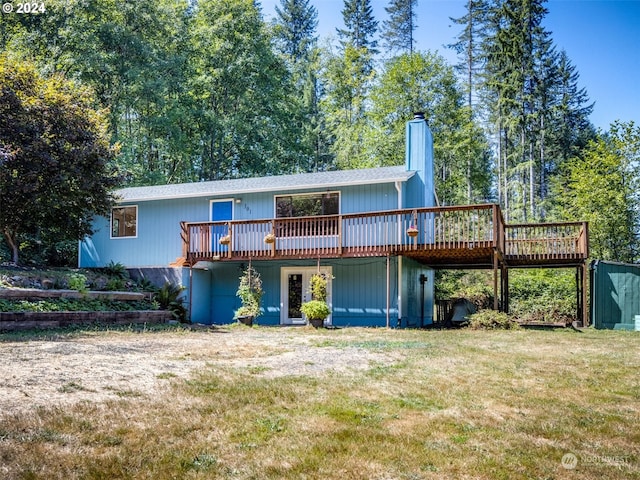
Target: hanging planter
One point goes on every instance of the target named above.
(226, 240)
(269, 238)
(412, 231)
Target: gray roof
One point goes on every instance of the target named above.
(267, 184)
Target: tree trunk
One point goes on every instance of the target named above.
(12, 242)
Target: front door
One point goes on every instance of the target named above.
(295, 283)
(221, 210)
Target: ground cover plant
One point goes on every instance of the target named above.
(75, 305)
(270, 403)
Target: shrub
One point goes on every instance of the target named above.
(250, 293)
(492, 320)
(78, 281)
(116, 270)
(168, 297)
(115, 284)
(315, 309)
(545, 295)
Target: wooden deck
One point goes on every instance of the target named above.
(474, 236)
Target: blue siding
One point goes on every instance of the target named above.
(158, 242)
(359, 292)
(419, 158)
(201, 288)
(412, 313)
(359, 198)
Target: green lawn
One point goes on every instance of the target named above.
(439, 405)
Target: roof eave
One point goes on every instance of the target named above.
(403, 178)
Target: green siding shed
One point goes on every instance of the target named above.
(615, 295)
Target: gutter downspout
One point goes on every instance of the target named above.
(398, 185)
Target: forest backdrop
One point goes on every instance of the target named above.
(195, 90)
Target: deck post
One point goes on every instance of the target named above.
(505, 289)
(190, 292)
(388, 293)
(495, 280)
(583, 310)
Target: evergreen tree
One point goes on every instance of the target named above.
(360, 26)
(295, 29)
(468, 46)
(397, 31)
(475, 29)
(571, 127)
(515, 50)
(347, 80)
(294, 33)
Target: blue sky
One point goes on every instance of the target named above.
(601, 37)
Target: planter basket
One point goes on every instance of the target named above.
(269, 238)
(316, 322)
(412, 232)
(226, 240)
(246, 320)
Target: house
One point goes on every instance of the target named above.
(144, 233)
(376, 232)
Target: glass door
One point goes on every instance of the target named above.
(295, 291)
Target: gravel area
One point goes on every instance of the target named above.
(107, 365)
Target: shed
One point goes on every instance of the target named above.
(615, 295)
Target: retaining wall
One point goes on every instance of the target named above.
(15, 321)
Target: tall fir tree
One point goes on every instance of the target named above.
(294, 31)
(398, 30)
(517, 46)
(469, 45)
(475, 28)
(360, 26)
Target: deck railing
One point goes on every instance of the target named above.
(547, 241)
(361, 234)
(381, 233)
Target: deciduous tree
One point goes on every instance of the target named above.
(602, 187)
(56, 164)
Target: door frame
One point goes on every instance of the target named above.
(306, 273)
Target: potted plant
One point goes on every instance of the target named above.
(317, 310)
(250, 293)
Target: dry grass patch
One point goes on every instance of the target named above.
(374, 404)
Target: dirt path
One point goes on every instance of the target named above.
(100, 366)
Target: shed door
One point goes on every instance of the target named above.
(221, 210)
